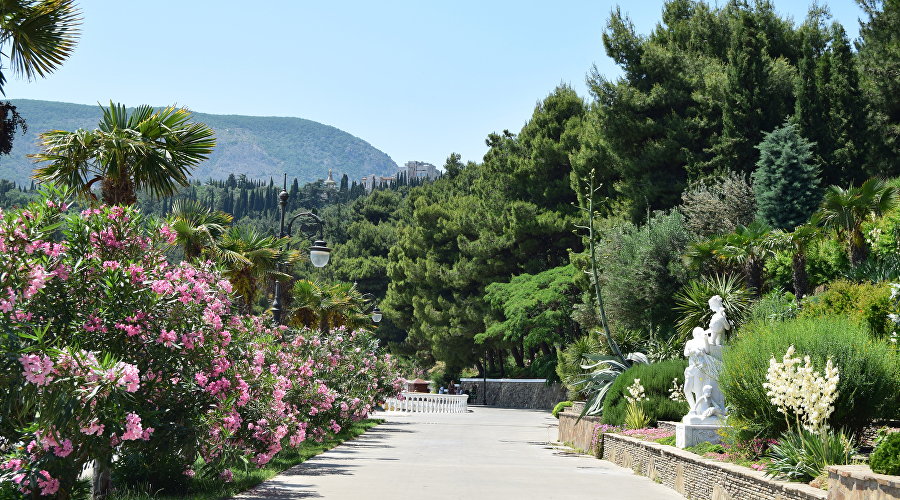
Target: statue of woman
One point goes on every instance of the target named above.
(695, 350)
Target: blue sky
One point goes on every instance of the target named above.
(416, 79)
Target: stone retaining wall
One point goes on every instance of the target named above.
(700, 478)
(858, 482)
(576, 433)
(515, 393)
(693, 476)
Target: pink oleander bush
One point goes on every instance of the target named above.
(107, 349)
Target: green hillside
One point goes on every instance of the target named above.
(260, 147)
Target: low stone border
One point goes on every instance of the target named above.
(858, 482)
(696, 477)
(693, 476)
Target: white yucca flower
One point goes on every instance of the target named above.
(800, 390)
(636, 392)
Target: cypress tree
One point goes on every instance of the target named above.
(786, 180)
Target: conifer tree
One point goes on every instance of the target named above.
(786, 181)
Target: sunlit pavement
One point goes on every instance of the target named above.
(488, 453)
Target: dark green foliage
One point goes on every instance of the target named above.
(262, 147)
(534, 309)
(879, 59)
(885, 459)
(786, 182)
(562, 405)
(869, 374)
(757, 95)
(657, 381)
(642, 270)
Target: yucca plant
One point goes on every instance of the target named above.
(692, 302)
(602, 372)
(803, 455)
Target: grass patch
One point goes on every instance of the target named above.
(214, 488)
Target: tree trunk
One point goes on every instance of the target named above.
(858, 250)
(118, 191)
(480, 367)
(501, 362)
(532, 353)
(545, 349)
(323, 324)
(754, 271)
(801, 279)
(492, 366)
(519, 356)
(101, 484)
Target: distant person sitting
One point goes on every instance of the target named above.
(452, 388)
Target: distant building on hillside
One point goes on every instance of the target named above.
(410, 171)
(419, 169)
(372, 181)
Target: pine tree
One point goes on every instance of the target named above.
(786, 180)
(846, 119)
(747, 109)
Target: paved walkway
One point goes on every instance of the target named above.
(488, 453)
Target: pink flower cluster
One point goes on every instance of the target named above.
(162, 341)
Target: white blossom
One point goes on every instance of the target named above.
(676, 392)
(801, 391)
(636, 392)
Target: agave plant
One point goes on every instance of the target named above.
(692, 302)
(602, 372)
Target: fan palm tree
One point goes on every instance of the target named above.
(146, 150)
(328, 306)
(797, 242)
(197, 228)
(749, 246)
(845, 210)
(249, 258)
(37, 36)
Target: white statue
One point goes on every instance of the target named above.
(719, 323)
(704, 353)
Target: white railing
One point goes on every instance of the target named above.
(422, 402)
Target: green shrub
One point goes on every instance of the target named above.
(804, 455)
(657, 380)
(869, 379)
(864, 302)
(562, 405)
(642, 271)
(776, 305)
(886, 457)
(826, 261)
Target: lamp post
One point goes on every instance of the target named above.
(376, 312)
(319, 253)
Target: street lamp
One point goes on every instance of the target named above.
(376, 312)
(319, 253)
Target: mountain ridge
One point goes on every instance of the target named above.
(261, 147)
